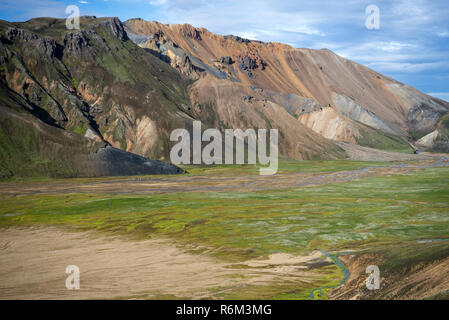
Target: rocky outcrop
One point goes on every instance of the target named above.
(237, 39)
(429, 140)
(437, 140)
(115, 26)
(328, 123)
(191, 32)
(43, 45)
(169, 52)
(75, 42)
(247, 63)
(424, 117)
(353, 110)
(226, 60)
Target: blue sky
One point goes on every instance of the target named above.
(411, 46)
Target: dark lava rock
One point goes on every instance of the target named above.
(112, 161)
(16, 33)
(84, 40)
(226, 60)
(158, 36)
(248, 99)
(193, 33)
(117, 29)
(74, 42)
(238, 39)
(247, 64)
(44, 45)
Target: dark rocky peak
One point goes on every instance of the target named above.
(74, 42)
(191, 32)
(5, 52)
(159, 36)
(116, 27)
(13, 34)
(77, 41)
(44, 45)
(238, 39)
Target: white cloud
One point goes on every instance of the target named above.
(247, 35)
(412, 38)
(441, 95)
(394, 56)
(406, 67)
(30, 8)
(394, 46)
(158, 2)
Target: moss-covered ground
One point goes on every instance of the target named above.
(237, 226)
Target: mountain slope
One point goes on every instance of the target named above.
(76, 83)
(110, 86)
(300, 80)
(32, 148)
(98, 83)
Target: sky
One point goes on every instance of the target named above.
(411, 44)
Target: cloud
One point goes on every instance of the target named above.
(441, 95)
(20, 10)
(262, 19)
(406, 66)
(158, 2)
(413, 38)
(393, 46)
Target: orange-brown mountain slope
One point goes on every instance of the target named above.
(249, 82)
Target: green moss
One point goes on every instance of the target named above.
(120, 134)
(116, 68)
(75, 83)
(397, 258)
(439, 296)
(379, 140)
(81, 128)
(20, 155)
(264, 117)
(284, 166)
(237, 226)
(443, 126)
(245, 225)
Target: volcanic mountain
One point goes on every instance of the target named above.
(71, 94)
(335, 97)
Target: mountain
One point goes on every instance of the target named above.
(333, 96)
(72, 99)
(104, 99)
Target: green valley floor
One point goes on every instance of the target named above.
(224, 232)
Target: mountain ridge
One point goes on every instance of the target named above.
(128, 85)
(396, 100)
